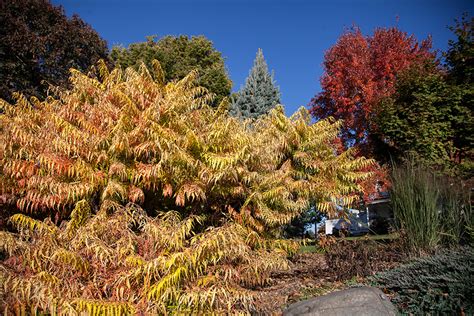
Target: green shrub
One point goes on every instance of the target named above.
(438, 284)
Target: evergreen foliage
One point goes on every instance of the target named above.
(460, 54)
(39, 44)
(179, 56)
(435, 285)
(297, 228)
(259, 95)
(460, 62)
(221, 191)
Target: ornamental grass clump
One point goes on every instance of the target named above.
(136, 196)
(431, 208)
(414, 197)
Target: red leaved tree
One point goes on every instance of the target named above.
(359, 71)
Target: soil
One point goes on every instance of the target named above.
(308, 276)
(315, 274)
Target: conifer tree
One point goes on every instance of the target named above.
(259, 95)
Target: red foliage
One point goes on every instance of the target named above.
(379, 182)
(359, 71)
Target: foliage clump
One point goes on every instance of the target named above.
(129, 137)
(133, 262)
(431, 118)
(221, 188)
(179, 55)
(39, 44)
(438, 284)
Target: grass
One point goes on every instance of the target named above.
(311, 249)
(415, 195)
(373, 237)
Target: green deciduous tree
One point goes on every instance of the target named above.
(419, 117)
(427, 116)
(179, 56)
(460, 54)
(259, 95)
(39, 43)
(430, 114)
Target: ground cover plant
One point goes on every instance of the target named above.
(134, 195)
(438, 284)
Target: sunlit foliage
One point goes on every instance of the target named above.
(360, 70)
(129, 262)
(128, 136)
(221, 188)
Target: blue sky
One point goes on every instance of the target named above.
(293, 34)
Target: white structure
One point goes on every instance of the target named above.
(356, 222)
(359, 221)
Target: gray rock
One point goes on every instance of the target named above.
(367, 301)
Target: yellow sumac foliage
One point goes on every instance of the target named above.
(122, 145)
(124, 136)
(128, 262)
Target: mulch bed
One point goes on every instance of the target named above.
(345, 264)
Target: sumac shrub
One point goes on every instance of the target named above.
(221, 188)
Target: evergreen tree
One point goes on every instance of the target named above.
(259, 95)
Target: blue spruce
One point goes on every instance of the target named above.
(259, 95)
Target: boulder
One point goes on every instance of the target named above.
(367, 301)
